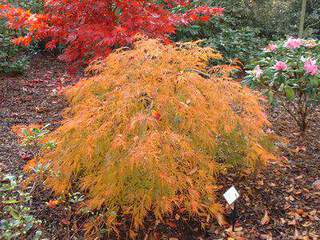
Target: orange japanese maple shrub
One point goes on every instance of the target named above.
(144, 134)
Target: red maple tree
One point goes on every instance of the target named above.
(93, 28)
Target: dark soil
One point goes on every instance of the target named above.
(284, 190)
(27, 99)
(279, 202)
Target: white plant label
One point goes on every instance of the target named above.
(231, 195)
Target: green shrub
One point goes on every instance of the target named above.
(234, 42)
(246, 25)
(16, 219)
(243, 44)
(289, 74)
(35, 6)
(14, 59)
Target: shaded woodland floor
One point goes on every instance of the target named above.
(280, 202)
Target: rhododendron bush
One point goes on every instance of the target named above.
(92, 29)
(148, 133)
(289, 71)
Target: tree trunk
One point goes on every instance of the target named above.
(302, 17)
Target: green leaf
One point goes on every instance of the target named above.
(37, 235)
(270, 96)
(14, 213)
(314, 82)
(25, 132)
(289, 92)
(11, 201)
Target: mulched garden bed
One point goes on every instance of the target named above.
(279, 202)
(29, 99)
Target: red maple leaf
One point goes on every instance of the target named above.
(91, 29)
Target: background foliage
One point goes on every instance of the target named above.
(247, 25)
(274, 18)
(14, 59)
(241, 43)
(239, 34)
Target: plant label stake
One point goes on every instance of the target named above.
(231, 195)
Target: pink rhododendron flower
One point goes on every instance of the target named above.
(310, 67)
(270, 48)
(280, 66)
(293, 43)
(257, 71)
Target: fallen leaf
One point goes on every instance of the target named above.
(297, 192)
(307, 224)
(296, 234)
(266, 236)
(290, 198)
(65, 221)
(53, 203)
(292, 223)
(300, 211)
(221, 220)
(282, 221)
(260, 182)
(238, 229)
(266, 219)
(313, 212)
(299, 149)
(286, 206)
(316, 185)
(25, 156)
(290, 190)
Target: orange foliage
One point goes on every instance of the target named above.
(53, 203)
(141, 136)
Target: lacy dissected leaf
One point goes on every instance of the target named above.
(91, 29)
(145, 133)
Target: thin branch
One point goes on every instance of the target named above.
(202, 74)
